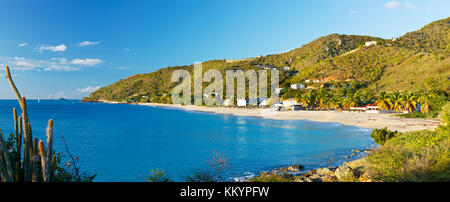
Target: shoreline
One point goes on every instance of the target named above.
(353, 167)
(362, 120)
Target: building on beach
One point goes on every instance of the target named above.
(241, 102)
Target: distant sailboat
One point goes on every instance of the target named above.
(39, 100)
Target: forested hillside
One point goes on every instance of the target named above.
(417, 61)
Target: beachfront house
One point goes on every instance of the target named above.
(289, 103)
(228, 102)
(264, 103)
(253, 101)
(298, 86)
(373, 110)
(241, 102)
(370, 43)
(298, 107)
(278, 106)
(358, 109)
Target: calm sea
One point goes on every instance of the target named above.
(125, 142)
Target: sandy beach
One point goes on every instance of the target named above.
(362, 120)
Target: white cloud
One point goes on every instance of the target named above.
(392, 5)
(88, 43)
(126, 49)
(22, 45)
(58, 48)
(54, 64)
(404, 5)
(86, 62)
(88, 89)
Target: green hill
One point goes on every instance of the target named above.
(416, 61)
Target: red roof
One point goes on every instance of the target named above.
(372, 104)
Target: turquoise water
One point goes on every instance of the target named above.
(125, 142)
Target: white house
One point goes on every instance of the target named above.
(307, 81)
(372, 109)
(286, 68)
(241, 103)
(289, 102)
(371, 43)
(228, 102)
(298, 86)
(377, 110)
(264, 103)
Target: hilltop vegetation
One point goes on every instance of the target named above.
(417, 61)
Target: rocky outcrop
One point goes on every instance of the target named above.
(344, 173)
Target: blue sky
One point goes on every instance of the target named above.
(69, 48)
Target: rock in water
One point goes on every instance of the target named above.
(324, 171)
(295, 167)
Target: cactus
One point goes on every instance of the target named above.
(35, 157)
(6, 171)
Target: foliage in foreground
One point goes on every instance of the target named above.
(158, 176)
(380, 136)
(414, 156)
(39, 163)
(272, 177)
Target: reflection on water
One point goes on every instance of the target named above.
(125, 142)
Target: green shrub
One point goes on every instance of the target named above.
(201, 176)
(415, 114)
(414, 156)
(380, 136)
(158, 176)
(445, 114)
(273, 177)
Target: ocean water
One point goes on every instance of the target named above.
(125, 142)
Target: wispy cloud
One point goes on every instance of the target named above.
(58, 48)
(352, 12)
(86, 62)
(22, 45)
(88, 43)
(54, 64)
(88, 89)
(392, 5)
(126, 49)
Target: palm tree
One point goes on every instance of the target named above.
(384, 101)
(397, 101)
(349, 102)
(334, 102)
(305, 100)
(309, 99)
(410, 102)
(424, 101)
